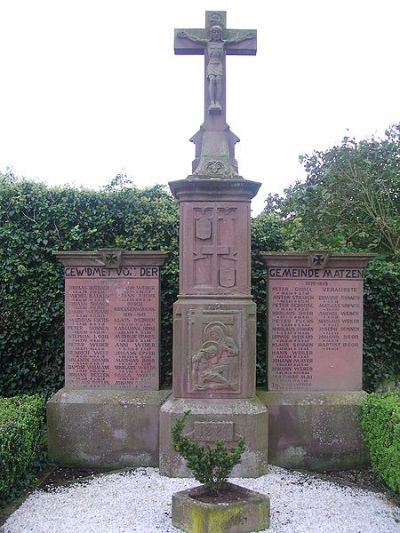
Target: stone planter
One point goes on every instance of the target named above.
(234, 510)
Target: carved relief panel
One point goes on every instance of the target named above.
(215, 351)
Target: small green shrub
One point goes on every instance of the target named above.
(210, 466)
(380, 423)
(22, 443)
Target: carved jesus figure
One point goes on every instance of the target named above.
(214, 365)
(215, 69)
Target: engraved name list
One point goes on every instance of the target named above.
(315, 328)
(111, 327)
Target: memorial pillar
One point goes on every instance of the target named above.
(315, 341)
(107, 414)
(214, 337)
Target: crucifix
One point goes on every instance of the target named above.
(214, 141)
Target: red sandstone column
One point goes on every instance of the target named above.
(214, 354)
(214, 317)
(214, 346)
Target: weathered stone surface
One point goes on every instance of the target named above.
(214, 326)
(112, 301)
(214, 235)
(104, 428)
(315, 321)
(315, 331)
(315, 430)
(249, 513)
(214, 348)
(210, 420)
(215, 143)
(214, 354)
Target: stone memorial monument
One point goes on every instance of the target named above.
(214, 352)
(107, 415)
(315, 334)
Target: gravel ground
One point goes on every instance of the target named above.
(140, 501)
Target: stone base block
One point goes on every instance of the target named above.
(247, 511)
(104, 429)
(210, 420)
(315, 430)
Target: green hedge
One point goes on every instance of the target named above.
(380, 422)
(22, 443)
(381, 323)
(36, 219)
(267, 234)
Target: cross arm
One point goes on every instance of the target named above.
(241, 42)
(189, 42)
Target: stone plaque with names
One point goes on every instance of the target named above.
(112, 301)
(315, 324)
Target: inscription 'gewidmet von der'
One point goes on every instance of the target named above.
(103, 272)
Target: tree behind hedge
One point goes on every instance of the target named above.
(350, 199)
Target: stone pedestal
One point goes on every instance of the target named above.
(104, 428)
(315, 430)
(107, 416)
(214, 357)
(209, 420)
(315, 336)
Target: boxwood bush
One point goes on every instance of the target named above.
(380, 422)
(22, 443)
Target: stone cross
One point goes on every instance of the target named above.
(215, 152)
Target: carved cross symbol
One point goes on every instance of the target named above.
(111, 257)
(215, 250)
(319, 260)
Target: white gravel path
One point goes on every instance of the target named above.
(140, 501)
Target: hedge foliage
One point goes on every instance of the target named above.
(266, 235)
(22, 443)
(381, 323)
(36, 219)
(380, 422)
